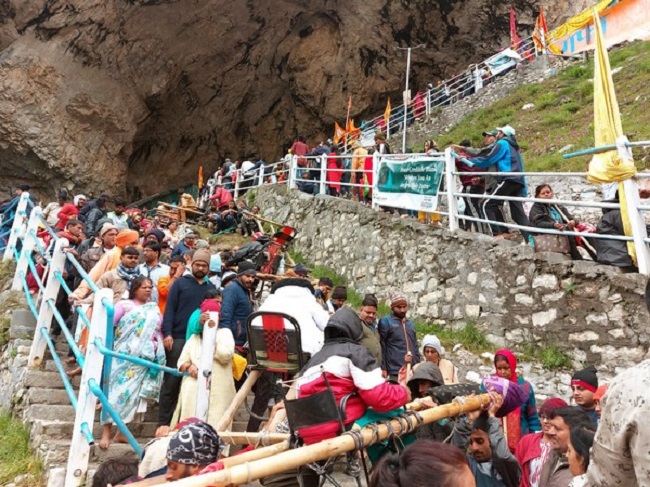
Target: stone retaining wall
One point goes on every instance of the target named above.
(594, 313)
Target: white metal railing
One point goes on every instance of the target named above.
(449, 91)
(323, 179)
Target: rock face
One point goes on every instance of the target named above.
(592, 312)
(136, 95)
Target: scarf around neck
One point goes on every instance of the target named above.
(128, 274)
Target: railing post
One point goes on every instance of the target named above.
(632, 201)
(51, 291)
(29, 243)
(375, 172)
(205, 370)
(260, 176)
(293, 168)
(323, 173)
(79, 448)
(450, 183)
(19, 220)
(237, 176)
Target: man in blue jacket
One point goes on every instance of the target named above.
(185, 296)
(399, 344)
(506, 156)
(237, 303)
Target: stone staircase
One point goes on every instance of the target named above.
(40, 399)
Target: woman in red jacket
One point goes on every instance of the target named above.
(334, 173)
(533, 449)
(349, 368)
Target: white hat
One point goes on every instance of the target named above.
(434, 342)
(507, 129)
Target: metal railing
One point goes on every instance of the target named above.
(23, 245)
(332, 174)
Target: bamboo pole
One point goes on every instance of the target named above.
(292, 459)
(228, 462)
(238, 400)
(235, 438)
(261, 218)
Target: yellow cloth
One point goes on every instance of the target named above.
(609, 166)
(239, 364)
(581, 20)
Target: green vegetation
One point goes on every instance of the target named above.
(7, 270)
(16, 458)
(550, 356)
(563, 112)
(469, 335)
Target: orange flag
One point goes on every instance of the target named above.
(200, 185)
(339, 133)
(387, 112)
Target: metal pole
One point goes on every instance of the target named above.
(406, 94)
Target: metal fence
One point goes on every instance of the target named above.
(24, 245)
(333, 174)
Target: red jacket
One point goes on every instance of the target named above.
(528, 449)
(222, 196)
(67, 211)
(349, 368)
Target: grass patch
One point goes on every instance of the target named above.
(469, 335)
(563, 113)
(550, 356)
(16, 458)
(7, 270)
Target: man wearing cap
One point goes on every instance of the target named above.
(155, 235)
(185, 296)
(152, 268)
(185, 245)
(237, 303)
(399, 344)
(92, 249)
(505, 154)
(584, 384)
(192, 448)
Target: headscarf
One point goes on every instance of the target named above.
(195, 444)
(434, 342)
(600, 392)
(194, 327)
(512, 362)
(79, 197)
(511, 421)
(126, 238)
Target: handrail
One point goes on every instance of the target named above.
(59, 367)
(138, 361)
(66, 333)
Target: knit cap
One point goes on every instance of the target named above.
(550, 405)
(201, 255)
(397, 298)
(586, 378)
(433, 342)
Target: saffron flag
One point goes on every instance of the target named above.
(613, 165)
(387, 112)
(515, 41)
(540, 35)
(339, 133)
(200, 185)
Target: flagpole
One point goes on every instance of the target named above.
(408, 69)
(347, 126)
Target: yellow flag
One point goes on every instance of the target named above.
(387, 112)
(609, 167)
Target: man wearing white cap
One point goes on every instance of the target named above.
(506, 155)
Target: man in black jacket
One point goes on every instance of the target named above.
(185, 296)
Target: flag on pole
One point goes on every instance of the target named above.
(610, 166)
(387, 112)
(200, 182)
(541, 37)
(339, 133)
(515, 40)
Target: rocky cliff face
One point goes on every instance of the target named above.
(135, 95)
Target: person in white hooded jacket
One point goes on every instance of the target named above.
(295, 297)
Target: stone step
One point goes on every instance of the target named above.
(55, 452)
(57, 412)
(62, 429)
(46, 379)
(39, 395)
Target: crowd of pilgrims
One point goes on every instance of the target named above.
(167, 282)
